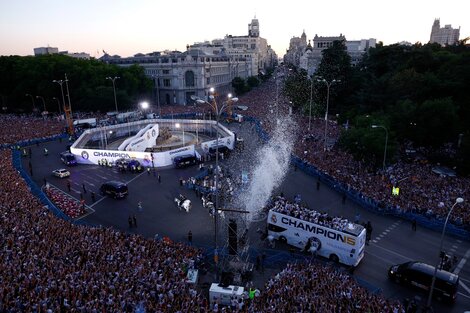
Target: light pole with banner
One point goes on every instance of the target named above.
(113, 79)
(328, 85)
(386, 142)
(218, 111)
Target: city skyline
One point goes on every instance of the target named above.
(143, 26)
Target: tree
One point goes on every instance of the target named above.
(89, 90)
(435, 122)
(252, 82)
(297, 88)
(239, 85)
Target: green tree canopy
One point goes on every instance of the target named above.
(88, 87)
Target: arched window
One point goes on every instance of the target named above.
(189, 78)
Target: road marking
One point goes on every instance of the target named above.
(462, 262)
(91, 184)
(463, 295)
(75, 190)
(393, 252)
(464, 287)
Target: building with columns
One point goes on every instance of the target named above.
(444, 36)
(180, 75)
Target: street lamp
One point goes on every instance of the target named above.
(58, 104)
(32, 100)
(458, 200)
(144, 105)
(157, 93)
(310, 110)
(328, 85)
(60, 82)
(218, 111)
(43, 102)
(178, 126)
(386, 141)
(113, 79)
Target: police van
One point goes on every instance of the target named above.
(345, 246)
(185, 160)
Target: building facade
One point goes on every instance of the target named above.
(444, 36)
(53, 50)
(178, 76)
(297, 46)
(181, 76)
(308, 56)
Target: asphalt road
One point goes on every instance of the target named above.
(393, 240)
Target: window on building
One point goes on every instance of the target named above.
(166, 71)
(167, 98)
(166, 82)
(189, 78)
(208, 80)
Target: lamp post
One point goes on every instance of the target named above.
(43, 102)
(310, 110)
(428, 304)
(328, 85)
(157, 93)
(218, 111)
(58, 104)
(113, 79)
(60, 82)
(386, 141)
(32, 100)
(144, 105)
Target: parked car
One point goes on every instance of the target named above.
(114, 189)
(61, 173)
(420, 275)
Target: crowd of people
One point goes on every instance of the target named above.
(71, 207)
(421, 190)
(311, 287)
(51, 265)
(281, 205)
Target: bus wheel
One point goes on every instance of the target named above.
(334, 258)
(283, 239)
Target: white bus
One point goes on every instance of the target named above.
(345, 246)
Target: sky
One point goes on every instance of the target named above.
(127, 27)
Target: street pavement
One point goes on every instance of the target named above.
(393, 240)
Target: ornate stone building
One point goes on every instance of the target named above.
(180, 75)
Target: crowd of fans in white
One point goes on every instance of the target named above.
(50, 265)
(282, 205)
